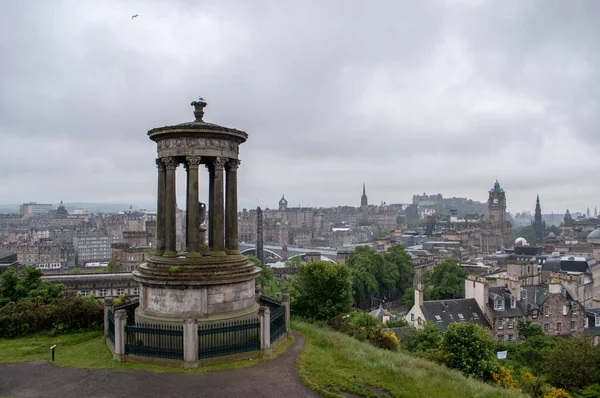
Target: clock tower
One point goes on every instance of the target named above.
(497, 204)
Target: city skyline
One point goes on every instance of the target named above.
(423, 97)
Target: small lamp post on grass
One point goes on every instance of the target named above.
(52, 349)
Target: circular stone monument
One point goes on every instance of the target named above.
(211, 281)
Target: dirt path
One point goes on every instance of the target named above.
(273, 378)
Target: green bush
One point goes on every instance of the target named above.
(67, 312)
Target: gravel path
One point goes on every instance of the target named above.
(272, 378)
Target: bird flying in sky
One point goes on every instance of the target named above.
(135, 16)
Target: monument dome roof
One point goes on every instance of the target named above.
(595, 234)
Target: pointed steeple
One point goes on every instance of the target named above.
(538, 225)
(363, 199)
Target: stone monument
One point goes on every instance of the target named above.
(211, 281)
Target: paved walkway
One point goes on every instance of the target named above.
(273, 378)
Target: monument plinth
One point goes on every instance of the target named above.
(211, 281)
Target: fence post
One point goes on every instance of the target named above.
(285, 300)
(264, 314)
(108, 305)
(120, 335)
(190, 344)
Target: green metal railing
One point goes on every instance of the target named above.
(130, 310)
(277, 323)
(111, 326)
(160, 341)
(269, 302)
(228, 338)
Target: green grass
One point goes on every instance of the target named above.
(272, 290)
(88, 350)
(333, 362)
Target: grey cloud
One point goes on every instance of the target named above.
(406, 96)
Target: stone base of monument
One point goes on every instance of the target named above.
(207, 289)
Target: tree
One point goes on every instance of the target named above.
(446, 281)
(404, 264)
(16, 285)
(371, 273)
(528, 330)
(266, 274)
(470, 349)
(294, 261)
(427, 339)
(573, 364)
(322, 290)
(112, 266)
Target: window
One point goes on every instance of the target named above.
(451, 317)
(597, 320)
(438, 318)
(136, 292)
(412, 317)
(461, 317)
(475, 316)
(565, 310)
(546, 327)
(572, 325)
(85, 293)
(501, 338)
(510, 323)
(102, 292)
(586, 322)
(546, 311)
(558, 325)
(513, 302)
(534, 314)
(574, 307)
(120, 291)
(499, 304)
(523, 294)
(500, 323)
(510, 338)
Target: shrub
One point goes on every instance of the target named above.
(470, 349)
(340, 323)
(67, 312)
(384, 339)
(557, 393)
(321, 291)
(503, 378)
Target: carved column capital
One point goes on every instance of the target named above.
(219, 162)
(232, 164)
(160, 164)
(193, 161)
(170, 162)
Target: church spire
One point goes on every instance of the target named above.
(538, 225)
(363, 199)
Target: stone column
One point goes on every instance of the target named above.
(192, 205)
(211, 205)
(218, 211)
(264, 314)
(108, 306)
(190, 344)
(120, 337)
(231, 212)
(170, 208)
(160, 210)
(285, 300)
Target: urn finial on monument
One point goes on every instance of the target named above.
(199, 109)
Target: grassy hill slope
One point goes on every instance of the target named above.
(332, 362)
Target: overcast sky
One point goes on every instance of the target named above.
(406, 96)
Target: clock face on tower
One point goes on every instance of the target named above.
(495, 201)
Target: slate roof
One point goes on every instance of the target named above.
(591, 315)
(445, 312)
(504, 293)
(569, 264)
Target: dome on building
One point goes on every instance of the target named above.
(551, 235)
(594, 236)
(521, 242)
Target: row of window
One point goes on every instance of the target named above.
(558, 328)
(104, 292)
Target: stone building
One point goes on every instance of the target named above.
(93, 246)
